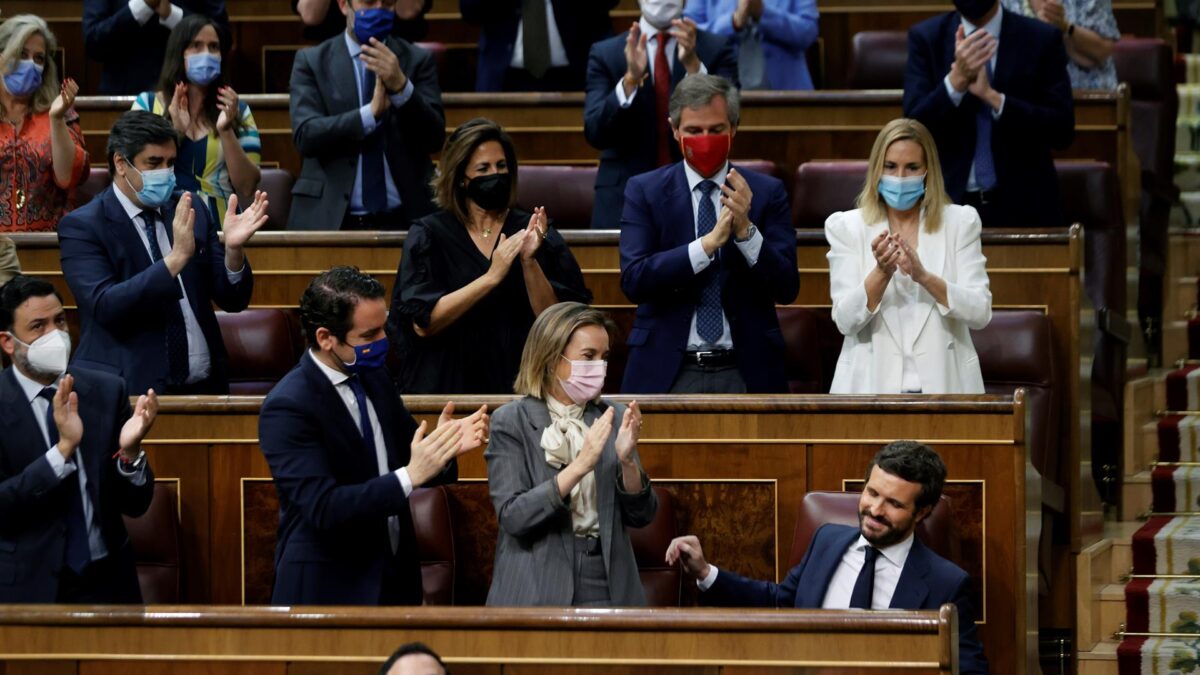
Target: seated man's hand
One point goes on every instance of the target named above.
(686, 551)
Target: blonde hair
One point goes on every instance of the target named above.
(14, 33)
(873, 206)
(547, 340)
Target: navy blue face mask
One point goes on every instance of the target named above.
(973, 10)
(369, 357)
(373, 23)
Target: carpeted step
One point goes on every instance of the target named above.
(1165, 545)
(1175, 488)
(1164, 605)
(1158, 656)
(1183, 388)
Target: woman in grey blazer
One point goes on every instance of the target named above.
(564, 473)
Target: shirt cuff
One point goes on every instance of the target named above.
(622, 99)
(996, 113)
(137, 476)
(405, 482)
(61, 467)
(141, 11)
(703, 69)
(700, 259)
(368, 119)
(707, 582)
(235, 277)
(751, 247)
(402, 97)
(173, 18)
(956, 96)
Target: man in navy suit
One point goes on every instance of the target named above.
(707, 251)
(625, 112)
(146, 268)
(346, 454)
(70, 462)
(904, 482)
(993, 89)
(535, 45)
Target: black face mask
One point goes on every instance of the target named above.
(973, 10)
(490, 192)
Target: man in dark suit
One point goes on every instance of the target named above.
(346, 454)
(625, 113)
(130, 37)
(904, 482)
(535, 45)
(70, 462)
(993, 89)
(366, 115)
(707, 250)
(146, 268)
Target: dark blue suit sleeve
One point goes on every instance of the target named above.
(733, 590)
(26, 491)
(970, 651)
(1050, 118)
(725, 64)
(421, 120)
(925, 97)
(134, 500)
(649, 274)
(229, 296)
(776, 272)
(108, 26)
(604, 120)
(316, 132)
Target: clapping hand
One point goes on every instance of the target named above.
(684, 31)
(886, 253)
(971, 54)
(627, 435)
(66, 417)
(227, 103)
(475, 427)
(637, 59)
(535, 233)
(181, 116)
(908, 261)
(239, 227)
(382, 61)
(65, 99)
(137, 426)
(736, 197)
(507, 250)
(1052, 12)
(430, 454)
(594, 441)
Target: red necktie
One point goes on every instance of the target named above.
(662, 98)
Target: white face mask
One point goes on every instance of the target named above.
(48, 354)
(660, 13)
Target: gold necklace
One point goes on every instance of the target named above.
(487, 232)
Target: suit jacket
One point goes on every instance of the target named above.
(534, 548)
(580, 23)
(628, 137)
(328, 132)
(33, 500)
(132, 53)
(122, 295)
(656, 273)
(333, 546)
(1038, 117)
(872, 355)
(787, 27)
(927, 581)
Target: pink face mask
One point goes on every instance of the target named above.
(586, 380)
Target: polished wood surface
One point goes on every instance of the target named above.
(685, 640)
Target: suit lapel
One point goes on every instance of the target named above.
(824, 563)
(18, 419)
(334, 407)
(123, 228)
(91, 450)
(678, 199)
(605, 470)
(341, 69)
(911, 589)
(931, 249)
(538, 415)
(1008, 53)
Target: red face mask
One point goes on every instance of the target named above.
(706, 153)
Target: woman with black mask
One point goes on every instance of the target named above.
(476, 273)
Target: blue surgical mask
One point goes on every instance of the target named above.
(203, 68)
(368, 357)
(373, 23)
(902, 193)
(157, 186)
(24, 78)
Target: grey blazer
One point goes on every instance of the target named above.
(535, 551)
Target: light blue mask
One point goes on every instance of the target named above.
(902, 193)
(157, 186)
(24, 78)
(203, 68)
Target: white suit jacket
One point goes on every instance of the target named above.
(872, 358)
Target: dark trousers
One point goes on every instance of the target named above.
(556, 79)
(694, 379)
(591, 579)
(107, 581)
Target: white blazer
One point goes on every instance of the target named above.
(872, 358)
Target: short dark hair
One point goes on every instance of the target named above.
(330, 299)
(448, 190)
(411, 648)
(14, 294)
(915, 463)
(133, 131)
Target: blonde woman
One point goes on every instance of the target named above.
(907, 276)
(564, 473)
(42, 154)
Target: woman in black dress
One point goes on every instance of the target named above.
(475, 274)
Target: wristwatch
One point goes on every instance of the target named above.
(749, 234)
(1070, 29)
(138, 462)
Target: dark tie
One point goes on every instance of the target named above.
(177, 346)
(78, 553)
(364, 419)
(709, 323)
(864, 587)
(662, 99)
(985, 168)
(535, 37)
(374, 187)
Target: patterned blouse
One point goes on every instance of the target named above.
(200, 164)
(31, 199)
(1095, 15)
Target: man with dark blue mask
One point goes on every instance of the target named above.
(366, 115)
(993, 89)
(146, 267)
(346, 454)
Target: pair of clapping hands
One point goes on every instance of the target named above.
(70, 425)
(893, 253)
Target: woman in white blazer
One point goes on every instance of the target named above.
(907, 276)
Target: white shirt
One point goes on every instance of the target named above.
(956, 97)
(654, 35)
(199, 358)
(888, 566)
(62, 468)
(341, 384)
(910, 314)
(143, 13)
(558, 53)
(700, 260)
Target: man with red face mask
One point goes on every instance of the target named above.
(707, 250)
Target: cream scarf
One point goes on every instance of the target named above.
(562, 441)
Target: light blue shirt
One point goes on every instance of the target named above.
(956, 96)
(369, 123)
(787, 28)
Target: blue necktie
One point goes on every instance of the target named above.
(177, 346)
(709, 317)
(364, 419)
(985, 168)
(374, 189)
(864, 586)
(78, 553)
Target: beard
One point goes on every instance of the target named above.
(889, 536)
(21, 358)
